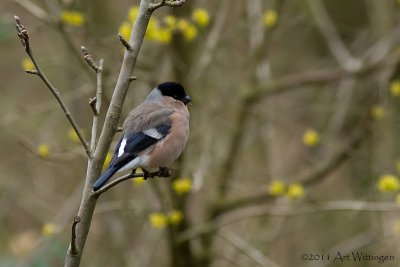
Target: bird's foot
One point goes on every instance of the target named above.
(146, 174)
(164, 172)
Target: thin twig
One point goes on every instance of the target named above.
(252, 252)
(73, 251)
(55, 22)
(24, 37)
(27, 144)
(89, 59)
(124, 42)
(171, 3)
(34, 9)
(211, 43)
(160, 173)
(96, 104)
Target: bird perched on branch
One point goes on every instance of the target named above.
(155, 133)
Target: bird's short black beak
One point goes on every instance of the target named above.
(186, 100)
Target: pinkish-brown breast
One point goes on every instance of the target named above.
(168, 150)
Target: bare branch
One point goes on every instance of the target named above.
(252, 252)
(34, 10)
(24, 37)
(164, 172)
(286, 211)
(124, 42)
(211, 43)
(171, 3)
(89, 59)
(95, 103)
(336, 45)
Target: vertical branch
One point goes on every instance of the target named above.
(213, 38)
(110, 127)
(97, 104)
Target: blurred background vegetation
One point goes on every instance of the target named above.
(294, 142)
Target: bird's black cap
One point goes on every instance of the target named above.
(174, 90)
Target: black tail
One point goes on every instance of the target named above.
(104, 178)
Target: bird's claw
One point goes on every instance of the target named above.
(164, 172)
(145, 174)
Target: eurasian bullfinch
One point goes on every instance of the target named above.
(155, 132)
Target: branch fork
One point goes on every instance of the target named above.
(170, 3)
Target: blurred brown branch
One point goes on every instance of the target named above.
(286, 210)
(321, 171)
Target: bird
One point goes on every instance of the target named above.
(155, 133)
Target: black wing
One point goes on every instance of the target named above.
(134, 143)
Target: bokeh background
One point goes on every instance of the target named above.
(293, 151)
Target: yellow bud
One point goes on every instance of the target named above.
(73, 18)
(270, 18)
(295, 191)
(138, 182)
(49, 229)
(43, 150)
(160, 35)
(200, 17)
(175, 217)
(73, 136)
(125, 29)
(377, 112)
(158, 220)
(388, 183)
(27, 64)
(170, 21)
(182, 186)
(276, 188)
(311, 137)
(395, 88)
(188, 30)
